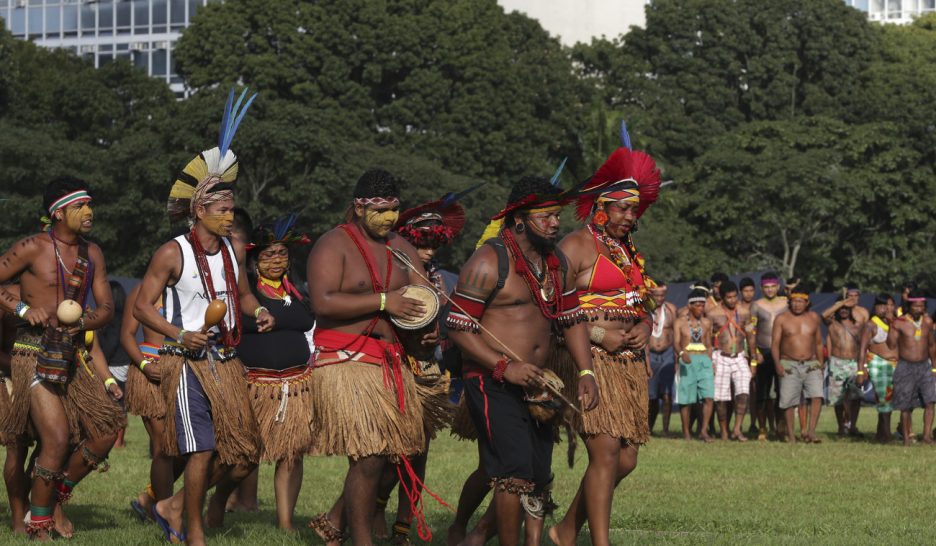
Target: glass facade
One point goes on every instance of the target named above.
(898, 11)
(143, 32)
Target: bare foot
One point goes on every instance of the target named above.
(739, 437)
(559, 537)
(174, 519)
(687, 438)
(706, 438)
(477, 537)
(456, 534)
(214, 515)
(928, 441)
(288, 528)
(379, 525)
(63, 526)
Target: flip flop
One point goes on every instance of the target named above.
(168, 532)
(139, 511)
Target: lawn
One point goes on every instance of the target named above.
(838, 492)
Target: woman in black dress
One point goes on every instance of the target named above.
(277, 363)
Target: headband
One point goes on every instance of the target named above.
(377, 201)
(912, 300)
(697, 300)
(799, 296)
(68, 199)
(629, 195)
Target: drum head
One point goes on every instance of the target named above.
(428, 298)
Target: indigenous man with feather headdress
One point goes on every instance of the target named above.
(614, 291)
(68, 398)
(210, 421)
(504, 383)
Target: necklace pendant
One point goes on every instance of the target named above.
(287, 300)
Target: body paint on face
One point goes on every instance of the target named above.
(219, 224)
(76, 217)
(273, 262)
(380, 222)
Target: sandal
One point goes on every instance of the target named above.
(326, 530)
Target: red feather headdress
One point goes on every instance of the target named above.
(623, 168)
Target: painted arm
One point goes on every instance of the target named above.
(12, 263)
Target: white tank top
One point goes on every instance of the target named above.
(186, 300)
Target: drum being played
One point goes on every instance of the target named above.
(428, 297)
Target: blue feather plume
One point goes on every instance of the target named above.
(282, 226)
(555, 177)
(452, 197)
(233, 115)
(625, 138)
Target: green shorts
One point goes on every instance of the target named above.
(695, 381)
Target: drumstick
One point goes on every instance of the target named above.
(406, 261)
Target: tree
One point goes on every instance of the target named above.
(815, 197)
(485, 94)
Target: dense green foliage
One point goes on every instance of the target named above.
(798, 136)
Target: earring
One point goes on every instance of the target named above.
(600, 218)
(521, 228)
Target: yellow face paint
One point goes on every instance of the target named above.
(273, 262)
(380, 222)
(76, 217)
(219, 224)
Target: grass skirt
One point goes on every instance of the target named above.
(142, 396)
(463, 427)
(90, 410)
(237, 438)
(623, 401)
(437, 410)
(355, 414)
(282, 406)
(6, 388)
(15, 422)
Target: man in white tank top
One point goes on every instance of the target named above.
(209, 418)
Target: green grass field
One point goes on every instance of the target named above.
(838, 492)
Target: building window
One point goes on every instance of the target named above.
(53, 23)
(124, 10)
(18, 22)
(141, 60)
(70, 20)
(141, 17)
(159, 62)
(87, 19)
(105, 18)
(160, 16)
(177, 14)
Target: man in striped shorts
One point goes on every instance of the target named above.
(734, 341)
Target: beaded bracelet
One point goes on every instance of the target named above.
(500, 369)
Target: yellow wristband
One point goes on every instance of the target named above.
(109, 381)
(583, 373)
(861, 372)
(753, 364)
(143, 364)
(933, 369)
(383, 301)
